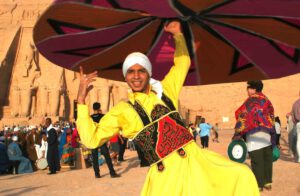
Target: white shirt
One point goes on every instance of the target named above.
(44, 147)
(258, 140)
(277, 128)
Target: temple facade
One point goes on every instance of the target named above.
(32, 88)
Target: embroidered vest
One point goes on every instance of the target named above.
(165, 133)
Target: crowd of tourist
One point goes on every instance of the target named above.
(24, 149)
(23, 146)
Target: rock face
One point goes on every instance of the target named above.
(31, 87)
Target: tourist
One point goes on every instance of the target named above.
(21, 140)
(44, 146)
(215, 129)
(96, 117)
(33, 140)
(193, 130)
(296, 120)
(204, 133)
(278, 131)
(68, 152)
(4, 160)
(123, 144)
(115, 148)
(255, 121)
(292, 135)
(75, 137)
(15, 154)
(52, 151)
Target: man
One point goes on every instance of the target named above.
(33, 140)
(143, 160)
(15, 154)
(151, 119)
(255, 122)
(123, 144)
(292, 135)
(104, 150)
(296, 120)
(4, 161)
(216, 132)
(21, 140)
(52, 151)
(204, 133)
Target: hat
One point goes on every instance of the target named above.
(32, 127)
(16, 129)
(137, 58)
(14, 138)
(237, 151)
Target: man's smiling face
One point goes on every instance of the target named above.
(137, 78)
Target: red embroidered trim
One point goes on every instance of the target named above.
(171, 136)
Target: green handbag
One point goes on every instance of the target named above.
(276, 154)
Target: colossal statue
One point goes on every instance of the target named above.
(50, 86)
(30, 59)
(22, 93)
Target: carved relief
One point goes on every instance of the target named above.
(6, 11)
(30, 59)
(9, 7)
(30, 14)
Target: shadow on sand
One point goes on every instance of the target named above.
(132, 163)
(18, 191)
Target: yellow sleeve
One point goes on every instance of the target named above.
(94, 134)
(173, 81)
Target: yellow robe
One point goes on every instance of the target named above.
(201, 172)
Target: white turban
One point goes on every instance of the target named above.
(32, 127)
(137, 58)
(141, 59)
(16, 129)
(14, 138)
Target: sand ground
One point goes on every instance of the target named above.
(286, 177)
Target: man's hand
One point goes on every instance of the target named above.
(173, 27)
(85, 85)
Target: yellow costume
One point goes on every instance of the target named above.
(200, 172)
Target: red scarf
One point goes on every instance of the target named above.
(256, 114)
